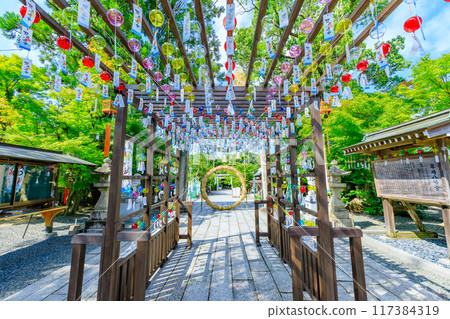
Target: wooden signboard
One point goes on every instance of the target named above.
(416, 180)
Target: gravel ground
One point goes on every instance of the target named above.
(24, 261)
(428, 249)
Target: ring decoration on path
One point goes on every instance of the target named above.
(208, 175)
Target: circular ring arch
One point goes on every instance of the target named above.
(208, 175)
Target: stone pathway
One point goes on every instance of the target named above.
(225, 264)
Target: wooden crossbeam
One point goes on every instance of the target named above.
(256, 38)
(201, 19)
(316, 29)
(62, 4)
(176, 33)
(295, 10)
(149, 33)
(356, 13)
(101, 11)
(386, 12)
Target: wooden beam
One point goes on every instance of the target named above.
(201, 19)
(295, 10)
(176, 33)
(256, 38)
(315, 31)
(149, 33)
(354, 15)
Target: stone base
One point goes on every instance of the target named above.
(343, 218)
(50, 235)
(73, 230)
(94, 225)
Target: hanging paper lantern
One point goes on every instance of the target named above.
(334, 89)
(338, 69)
(167, 48)
(233, 65)
(115, 17)
(134, 45)
(412, 24)
(295, 50)
(105, 76)
(166, 88)
(362, 65)
(346, 78)
(148, 63)
(225, 45)
(23, 12)
(326, 49)
(156, 18)
(88, 62)
(225, 23)
(269, 98)
(294, 88)
(285, 67)
(387, 48)
(117, 61)
(187, 88)
(98, 42)
(278, 79)
(307, 25)
(177, 63)
(158, 76)
(344, 26)
(64, 42)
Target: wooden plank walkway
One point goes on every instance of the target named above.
(225, 264)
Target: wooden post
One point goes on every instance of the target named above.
(389, 220)
(293, 166)
(281, 217)
(269, 191)
(296, 267)
(76, 272)
(189, 230)
(150, 172)
(166, 188)
(140, 270)
(445, 173)
(325, 245)
(178, 195)
(412, 213)
(258, 243)
(110, 248)
(446, 218)
(359, 279)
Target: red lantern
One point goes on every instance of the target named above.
(386, 48)
(302, 189)
(412, 24)
(23, 12)
(362, 65)
(334, 89)
(346, 77)
(234, 44)
(88, 62)
(64, 42)
(228, 79)
(105, 76)
(232, 65)
(121, 86)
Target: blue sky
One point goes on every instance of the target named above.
(435, 15)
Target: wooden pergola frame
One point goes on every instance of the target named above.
(113, 275)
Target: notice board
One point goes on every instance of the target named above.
(415, 179)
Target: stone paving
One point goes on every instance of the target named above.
(225, 264)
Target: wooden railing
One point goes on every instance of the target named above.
(135, 269)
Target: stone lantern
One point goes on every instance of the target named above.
(341, 214)
(98, 215)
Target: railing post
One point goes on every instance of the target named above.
(281, 216)
(140, 270)
(296, 267)
(257, 224)
(76, 272)
(359, 279)
(269, 220)
(189, 230)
